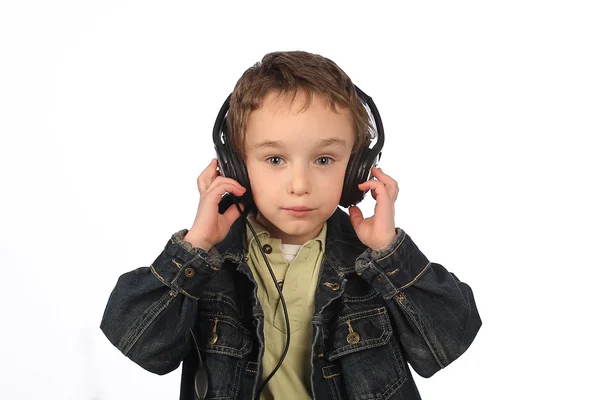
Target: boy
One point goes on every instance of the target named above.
(362, 299)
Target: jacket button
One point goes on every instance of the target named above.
(213, 338)
(189, 272)
(353, 338)
(267, 249)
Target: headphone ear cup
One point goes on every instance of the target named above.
(232, 166)
(238, 171)
(356, 173)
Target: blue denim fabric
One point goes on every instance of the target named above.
(401, 307)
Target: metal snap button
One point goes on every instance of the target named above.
(189, 272)
(213, 336)
(353, 338)
(280, 284)
(267, 249)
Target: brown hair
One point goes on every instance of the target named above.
(287, 72)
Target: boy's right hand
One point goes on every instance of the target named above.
(209, 226)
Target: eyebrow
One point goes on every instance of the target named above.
(278, 144)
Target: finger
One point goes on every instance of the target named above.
(207, 176)
(356, 216)
(210, 186)
(384, 206)
(382, 177)
(220, 179)
(378, 191)
(218, 189)
(233, 213)
(210, 168)
(390, 184)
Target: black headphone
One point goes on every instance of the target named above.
(357, 171)
(230, 165)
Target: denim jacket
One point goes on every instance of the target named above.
(375, 311)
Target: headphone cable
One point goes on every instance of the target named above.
(285, 312)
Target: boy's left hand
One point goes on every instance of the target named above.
(378, 231)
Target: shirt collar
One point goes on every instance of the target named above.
(264, 235)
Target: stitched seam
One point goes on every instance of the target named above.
(179, 288)
(333, 266)
(360, 299)
(416, 277)
(392, 389)
(409, 311)
(195, 255)
(238, 353)
(146, 322)
(395, 248)
(254, 366)
(239, 371)
(360, 315)
(155, 272)
(372, 343)
(187, 294)
(223, 318)
(367, 344)
(194, 259)
(202, 257)
(332, 389)
(218, 297)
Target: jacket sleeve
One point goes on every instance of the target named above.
(434, 313)
(151, 309)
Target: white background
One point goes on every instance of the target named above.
(491, 112)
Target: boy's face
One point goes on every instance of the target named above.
(302, 171)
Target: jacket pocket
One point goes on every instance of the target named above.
(222, 334)
(223, 343)
(369, 357)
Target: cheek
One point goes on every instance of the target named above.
(254, 176)
(336, 181)
(262, 186)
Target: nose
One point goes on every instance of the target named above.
(300, 181)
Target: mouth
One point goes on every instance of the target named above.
(298, 209)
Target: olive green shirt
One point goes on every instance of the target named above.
(299, 279)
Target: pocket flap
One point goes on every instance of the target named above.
(221, 334)
(359, 331)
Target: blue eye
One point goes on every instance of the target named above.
(325, 158)
(274, 157)
(276, 160)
